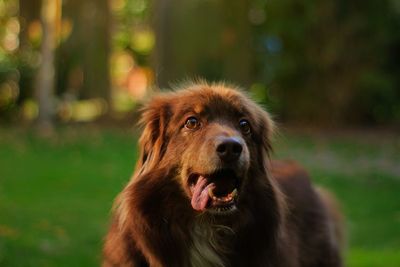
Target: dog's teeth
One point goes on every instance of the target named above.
(211, 193)
(234, 193)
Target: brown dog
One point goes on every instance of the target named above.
(205, 193)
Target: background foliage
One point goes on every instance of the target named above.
(315, 62)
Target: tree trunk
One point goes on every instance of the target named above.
(161, 23)
(210, 39)
(95, 23)
(237, 45)
(29, 11)
(50, 16)
(86, 51)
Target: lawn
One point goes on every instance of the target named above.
(56, 193)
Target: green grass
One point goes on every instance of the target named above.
(56, 193)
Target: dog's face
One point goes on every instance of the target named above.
(214, 136)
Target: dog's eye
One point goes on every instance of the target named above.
(244, 126)
(192, 123)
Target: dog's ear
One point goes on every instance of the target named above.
(268, 129)
(265, 130)
(264, 133)
(152, 143)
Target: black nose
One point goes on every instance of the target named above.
(229, 149)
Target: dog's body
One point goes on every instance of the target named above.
(205, 193)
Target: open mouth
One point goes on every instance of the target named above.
(216, 192)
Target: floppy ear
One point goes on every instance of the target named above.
(152, 142)
(265, 129)
(268, 129)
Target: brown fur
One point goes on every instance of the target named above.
(281, 220)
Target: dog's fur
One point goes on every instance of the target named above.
(281, 219)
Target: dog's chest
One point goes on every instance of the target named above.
(210, 247)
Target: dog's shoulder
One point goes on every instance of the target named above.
(292, 178)
(304, 204)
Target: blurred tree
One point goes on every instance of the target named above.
(83, 59)
(209, 39)
(161, 25)
(29, 15)
(237, 42)
(320, 62)
(9, 76)
(50, 15)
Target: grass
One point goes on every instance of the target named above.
(56, 193)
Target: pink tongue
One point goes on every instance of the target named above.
(200, 195)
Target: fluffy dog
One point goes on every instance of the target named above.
(205, 193)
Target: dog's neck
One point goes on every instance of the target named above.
(211, 244)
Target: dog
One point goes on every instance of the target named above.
(205, 192)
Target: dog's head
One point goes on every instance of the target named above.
(214, 136)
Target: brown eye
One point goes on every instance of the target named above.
(244, 126)
(192, 123)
